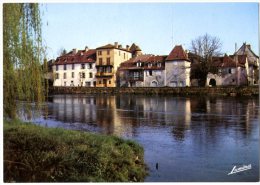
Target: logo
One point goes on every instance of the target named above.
(240, 169)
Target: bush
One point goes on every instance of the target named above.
(37, 154)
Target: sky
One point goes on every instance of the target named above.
(155, 27)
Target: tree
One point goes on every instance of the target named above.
(205, 47)
(61, 51)
(22, 55)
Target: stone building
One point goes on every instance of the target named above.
(247, 57)
(177, 66)
(142, 71)
(230, 72)
(109, 57)
(76, 68)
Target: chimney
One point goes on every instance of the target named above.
(74, 51)
(120, 46)
(127, 47)
(86, 48)
(116, 44)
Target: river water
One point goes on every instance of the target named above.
(191, 138)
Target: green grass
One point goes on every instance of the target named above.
(38, 154)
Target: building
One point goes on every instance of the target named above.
(109, 57)
(177, 66)
(229, 72)
(76, 68)
(142, 71)
(247, 57)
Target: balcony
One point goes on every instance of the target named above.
(136, 78)
(104, 63)
(104, 74)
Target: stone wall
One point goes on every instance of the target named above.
(182, 91)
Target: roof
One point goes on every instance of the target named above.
(147, 59)
(177, 54)
(224, 62)
(244, 49)
(82, 56)
(111, 46)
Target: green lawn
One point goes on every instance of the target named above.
(38, 154)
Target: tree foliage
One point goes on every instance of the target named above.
(205, 47)
(22, 55)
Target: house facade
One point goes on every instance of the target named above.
(177, 67)
(142, 71)
(247, 57)
(109, 57)
(76, 68)
(230, 72)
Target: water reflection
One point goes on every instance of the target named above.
(213, 134)
(121, 115)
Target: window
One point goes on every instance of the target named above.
(57, 67)
(72, 83)
(57, 76)
(150, 72)
(82, 66)
(109, 81)
(72, 66)
(65, 67)
(87, 84)
(90, 75)
(108, 52)
(64, 83)
(119, 53)
(108, 61)
(150, 64)
(64, 76)
(100, 61)
(100, 82)
(181, 84)
(159, 64)
(72, 75)
(233, 71)
(90, 66)
(124, 55)
(99, 52)
(83, 75)
(233, 80)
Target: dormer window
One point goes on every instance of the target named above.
(159, 64)
(150, 64)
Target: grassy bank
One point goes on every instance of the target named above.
(37, 154)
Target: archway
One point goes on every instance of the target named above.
(212, 82)
(154, 84)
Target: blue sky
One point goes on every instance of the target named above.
(155, 27)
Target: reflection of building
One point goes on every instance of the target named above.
(76, 68)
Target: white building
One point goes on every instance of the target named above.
(177, 67)
(230, 72)
(76, 68)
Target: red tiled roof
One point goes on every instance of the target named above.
(241, 58)
(177, 54)
(145, 59)
(81, 56)
(226, 61)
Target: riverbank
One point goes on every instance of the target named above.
(38, 154)
(183, 91)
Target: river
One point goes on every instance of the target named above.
(191, 138)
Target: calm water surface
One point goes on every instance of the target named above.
(191, 139)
